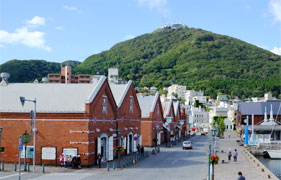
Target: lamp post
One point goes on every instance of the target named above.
(156, 139)
(119, 132)
(22, 100)
(214, 130)
(0, 134)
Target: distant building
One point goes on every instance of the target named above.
(200, 118)
(66, 77)
(267, 98)
(191, 95)
(176, 90)
(113, 76)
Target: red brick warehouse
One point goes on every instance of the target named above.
(152, 120)
(71, 118)
(128, 117)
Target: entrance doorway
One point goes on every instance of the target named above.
(130, 143)
(103, 148)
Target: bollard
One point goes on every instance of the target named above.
(43, 168)
(15, 167)
(28, 169)
(107, 166)
(113, 165)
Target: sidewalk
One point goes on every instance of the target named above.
(245, 163)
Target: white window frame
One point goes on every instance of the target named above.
(104, 104)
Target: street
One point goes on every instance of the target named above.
(170, 164)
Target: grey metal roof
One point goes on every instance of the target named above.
(51, 98)
(166, 106)
(258, 108)
(176, 106)
(147, 104)
(119, 91)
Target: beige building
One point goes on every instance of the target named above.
(66, 77)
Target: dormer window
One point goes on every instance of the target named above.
(104, 104)
(131, 104)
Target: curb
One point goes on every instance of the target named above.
(267, 173)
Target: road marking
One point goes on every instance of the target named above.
(11, 175)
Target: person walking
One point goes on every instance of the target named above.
(65, 161)
(70, 161)
(99, 160)
(61, 160)
(142, 151)
(229, 154)
(235, 154)
(241, 177)
(139, 148)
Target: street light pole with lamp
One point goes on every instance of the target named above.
(22, 100)
(156, 139)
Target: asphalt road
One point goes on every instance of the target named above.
(170, 164)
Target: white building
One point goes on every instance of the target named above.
(267, 97)
(176, 89)
(191, 95)
(224, 109)
(200, 118)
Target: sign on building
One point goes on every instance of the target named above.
(49, 153)
(29, 152)
(70, 151)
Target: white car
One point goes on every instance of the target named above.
(186, 145)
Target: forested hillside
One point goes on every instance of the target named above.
(193, 57)
(29, 70)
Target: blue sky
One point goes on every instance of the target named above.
(60, 30)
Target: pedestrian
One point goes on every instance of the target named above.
(142, 150)
(73, 162)
(241, 177)
(229, 154)
(78, 161)
(235, 154)
(229, 136)
(139, 148)
(65, 160)
(61, 160)
(70, 161)
(99, 160)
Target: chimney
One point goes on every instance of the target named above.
(5, 76)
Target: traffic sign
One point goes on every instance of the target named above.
(20, 145)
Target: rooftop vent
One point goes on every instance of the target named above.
(45, 80)
(5, 76)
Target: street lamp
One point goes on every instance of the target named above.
(119, 132)
(22, 100)
(156, 139)
(0, 134)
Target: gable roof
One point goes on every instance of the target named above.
(147, 104)
(50, 98)
(258, 108)
(166, 106)
(119, 92)
(176, 107)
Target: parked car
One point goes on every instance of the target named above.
(186, 145)
(203, 133)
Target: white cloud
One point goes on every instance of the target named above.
(59, 28)
(276, 50)
(34, 39)
(36, 20)
(160, 5)
(128, 36)
(275, 9)
(71, 8)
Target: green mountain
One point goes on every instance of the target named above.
(193, 57)
(29, 70)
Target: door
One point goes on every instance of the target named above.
(110, 148)
(128, 144)
(124, 142)
(99, 145)
(140, 140)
